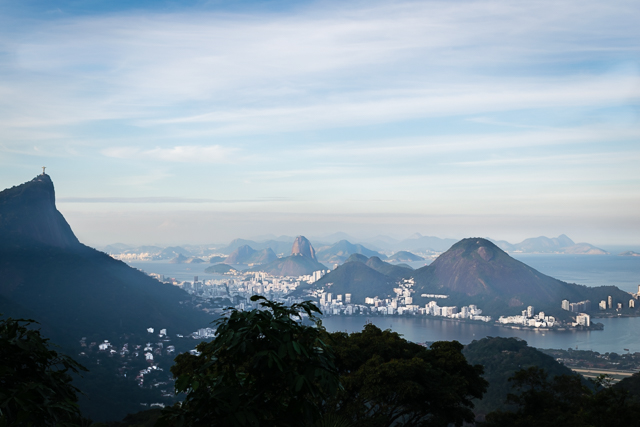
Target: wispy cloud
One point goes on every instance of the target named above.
(170, 200)
(447, 106)
(183, 154)
(328, 65)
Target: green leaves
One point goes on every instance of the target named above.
(264, 368)
(35, 381)
(390, 381)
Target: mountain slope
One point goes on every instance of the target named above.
(74, 290)
(393, 271)
(340, 251)
(294, 265)
(353, 278)
(240, 255)
(475, 271)
(501, 358)
(404, 256)
(302, 246)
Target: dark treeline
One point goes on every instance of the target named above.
(268, 368)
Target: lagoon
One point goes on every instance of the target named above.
(619, 333)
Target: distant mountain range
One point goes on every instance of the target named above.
(333, 252)
(245, 254)
(560, 244)
(340, 251)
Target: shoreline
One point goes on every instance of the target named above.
(593, 327)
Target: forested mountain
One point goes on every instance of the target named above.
(476, 271)
(501, 358)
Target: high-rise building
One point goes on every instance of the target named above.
(583, 319)
(530, 311)
(602, 305)
(632, 303)
(565, 304)
(609, 302)
(347, 298)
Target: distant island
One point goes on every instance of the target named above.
(629, 253)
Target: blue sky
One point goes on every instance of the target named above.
(177, 122)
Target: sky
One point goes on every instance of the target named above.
(171, 122)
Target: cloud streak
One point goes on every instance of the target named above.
(154, 200)
(181, 153)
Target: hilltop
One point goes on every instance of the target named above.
(476, 271)
(353, 278)
(302, 261)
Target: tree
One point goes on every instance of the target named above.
(265, 367)
(564, 401)
(388, 380)
(35, 381)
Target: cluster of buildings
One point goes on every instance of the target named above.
(608, 303)
(528, 318)
(139, 362)
(258, 283)
(239, 289)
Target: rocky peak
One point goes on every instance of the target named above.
(28, 213)
(302, 246)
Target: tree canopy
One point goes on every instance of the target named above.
(564, 401)
(264, 367)
(35, 381)
(388, 380)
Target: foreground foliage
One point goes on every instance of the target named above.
(264, 368)
(501, 359)
(388, 380)
(35, 381)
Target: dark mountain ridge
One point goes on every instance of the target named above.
(71, 289)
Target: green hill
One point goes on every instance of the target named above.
(393, 271)
(354, 278)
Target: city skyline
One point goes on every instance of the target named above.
(198, 122)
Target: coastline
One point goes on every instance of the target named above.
(565, 328)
